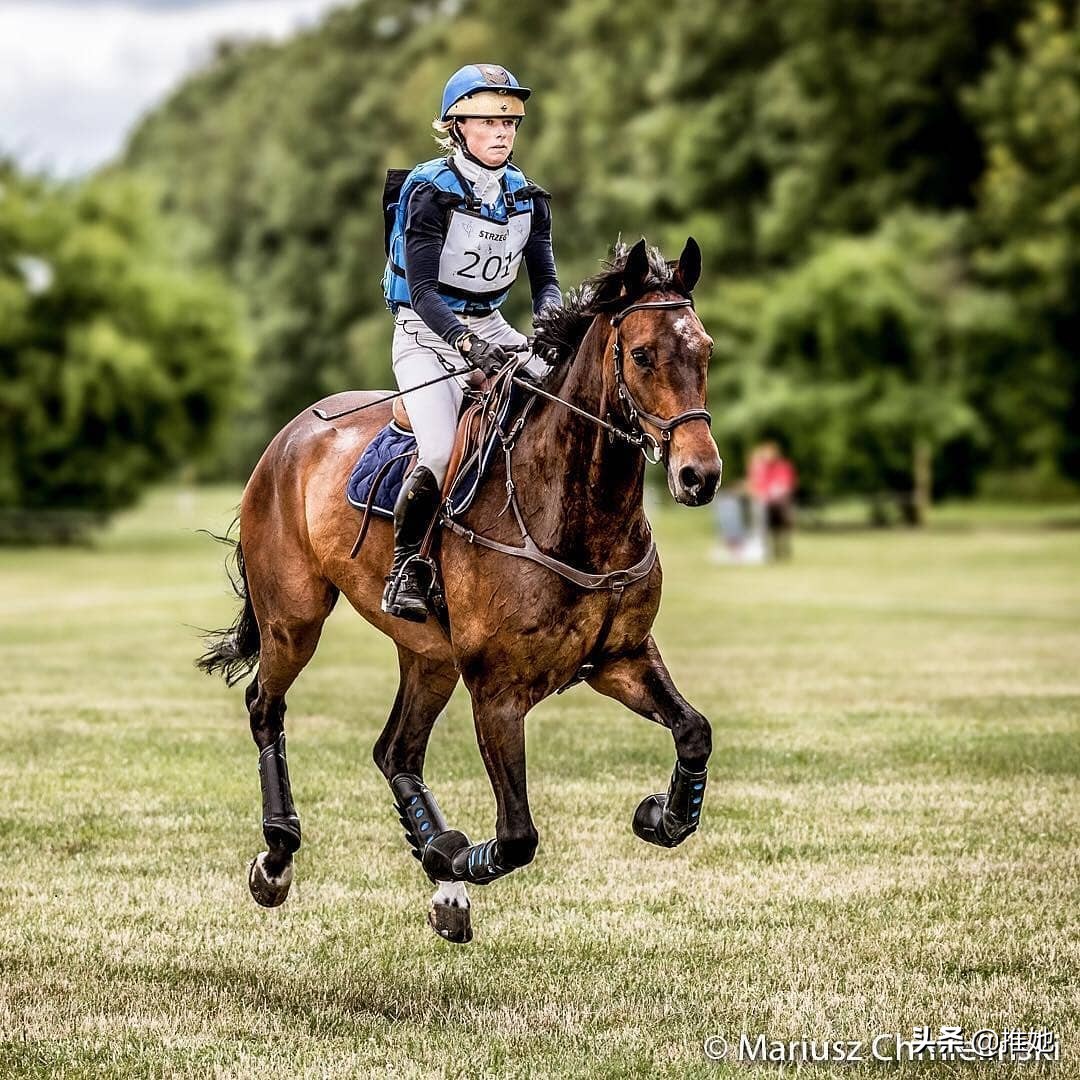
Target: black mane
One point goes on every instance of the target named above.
(560, 330)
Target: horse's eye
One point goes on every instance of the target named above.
(641, 357)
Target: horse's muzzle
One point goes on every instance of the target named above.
(694, 468)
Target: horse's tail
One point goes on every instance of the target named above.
(235, 651)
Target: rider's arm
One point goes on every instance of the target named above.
(540, 259)
(424, 234)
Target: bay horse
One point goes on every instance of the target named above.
(629, 381)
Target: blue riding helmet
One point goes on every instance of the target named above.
(474, 78)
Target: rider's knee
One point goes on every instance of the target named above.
(438, 461)
(518, 849)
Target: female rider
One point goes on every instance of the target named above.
(463, 224)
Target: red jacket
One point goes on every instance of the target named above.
(771, 481)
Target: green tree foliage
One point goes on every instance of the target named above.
(785, 137)
(114, 365)
(866, 354)
(1028, 110)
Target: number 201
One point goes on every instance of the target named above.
(495, 266)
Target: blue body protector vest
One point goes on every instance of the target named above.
(482, 246)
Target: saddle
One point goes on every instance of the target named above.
(465, 441)
(389, 458)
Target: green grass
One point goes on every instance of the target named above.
(889, 839)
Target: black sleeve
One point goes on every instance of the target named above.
(425, 227)
(540, 259)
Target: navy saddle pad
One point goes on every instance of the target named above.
(394, 442)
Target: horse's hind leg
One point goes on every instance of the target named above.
(425, 688)
(287, 642)
(640, 681)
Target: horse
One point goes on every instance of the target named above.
(628, 381)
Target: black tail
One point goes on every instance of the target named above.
(235, 651)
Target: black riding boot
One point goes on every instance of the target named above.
(409, 579)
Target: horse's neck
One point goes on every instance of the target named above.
(580, 492)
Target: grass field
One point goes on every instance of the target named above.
(889, 839)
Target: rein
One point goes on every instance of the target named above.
(641, 438)
(614, 582)
(638, 437)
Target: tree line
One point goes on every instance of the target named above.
(886, 193)
(117, 364)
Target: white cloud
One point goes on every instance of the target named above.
(75, 77)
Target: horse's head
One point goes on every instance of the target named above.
(661, 361)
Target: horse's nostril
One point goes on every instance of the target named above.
(690, 478)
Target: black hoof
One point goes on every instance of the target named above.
(649, 823)
(438, 855)
(451, 922)
(268, 891)
(647, 820)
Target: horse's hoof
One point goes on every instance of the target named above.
(450, 915)
(649, 822)
(268, 891)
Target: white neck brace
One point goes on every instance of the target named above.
(487, 183)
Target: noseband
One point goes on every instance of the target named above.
(634, 412)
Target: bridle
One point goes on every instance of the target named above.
(653, 451)
(634, 412)
(614, 582)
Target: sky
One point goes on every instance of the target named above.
(75, 75)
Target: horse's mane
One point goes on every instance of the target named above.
(561, 330)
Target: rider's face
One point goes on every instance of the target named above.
(489, 139)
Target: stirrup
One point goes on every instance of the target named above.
(405, 597)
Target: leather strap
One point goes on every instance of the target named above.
(665, 426)
(611, 580)
(375, 485)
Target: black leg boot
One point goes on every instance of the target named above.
(409, 579)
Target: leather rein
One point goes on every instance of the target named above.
(637, 436)
(614, 581)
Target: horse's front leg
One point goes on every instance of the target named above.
(500, 731)
(640, 681)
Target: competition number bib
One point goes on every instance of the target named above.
(480, 255)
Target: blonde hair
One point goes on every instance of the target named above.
(442, 134)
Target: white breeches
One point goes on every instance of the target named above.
(420, 355)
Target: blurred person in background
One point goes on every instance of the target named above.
(771, 481)
(462, 225)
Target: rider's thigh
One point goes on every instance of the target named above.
(433, 410)
(495, 328)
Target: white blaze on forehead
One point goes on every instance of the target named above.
(688, 328)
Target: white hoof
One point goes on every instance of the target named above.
(451, 893)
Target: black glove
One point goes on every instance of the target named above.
(484, 355)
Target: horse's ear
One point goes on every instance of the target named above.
(637, 268)
(688, 269)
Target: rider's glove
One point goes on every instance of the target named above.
(485, 355)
